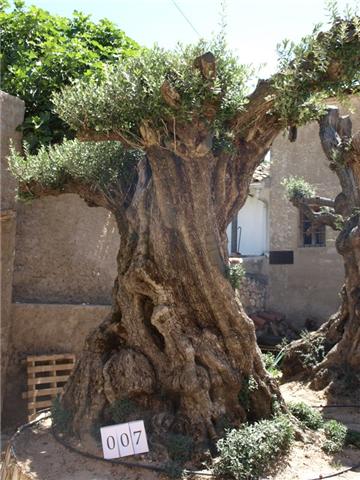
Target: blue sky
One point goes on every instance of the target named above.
(254, 27)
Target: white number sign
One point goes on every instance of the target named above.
(124, 439)
(109, 442)
(138, 436)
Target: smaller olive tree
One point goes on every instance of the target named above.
(340, 335)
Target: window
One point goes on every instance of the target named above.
(311, 236)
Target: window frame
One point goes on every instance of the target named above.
(318, 235)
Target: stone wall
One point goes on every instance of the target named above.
(308, 288)
(252, 294)
(11, 115)
(41, 329)
(65, 252)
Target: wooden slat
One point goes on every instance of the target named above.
(42, 392)
(43, 404)
(50, 368)
(45, 358)
(42, 380)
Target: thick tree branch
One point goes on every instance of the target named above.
(247, 123)
(328, 217)
(340, 149)
(92, 195)
(319, 202)
(233, 173)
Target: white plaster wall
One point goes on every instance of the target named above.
(252, 219)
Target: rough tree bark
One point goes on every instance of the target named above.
(341, 333)
(177, 342)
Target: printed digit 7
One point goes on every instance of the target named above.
(138, 437)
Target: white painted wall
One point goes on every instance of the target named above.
(252, 219)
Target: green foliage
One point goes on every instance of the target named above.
(314, 349)
(309, 417)
(41, 52)
(272, 363)
(335, 433)
(249, 385)
(122, 409)
(297, 188)
(130, 92)
(328, 59)
(173, 470)
(61, 417)
(235, 272)
(99, 164)
(179, 447)
(249, 451)
(353, 438)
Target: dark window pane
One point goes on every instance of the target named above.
(311, 237)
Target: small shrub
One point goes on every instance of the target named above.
(173, 470)
(314, 349)
(352, 438)
(249, 385)
(272, 364)
(248, 451)
(308, 416)
(179, 447)
(235, 273)
(60, 416)
(335, 433)
(297, 187)
(121, 410)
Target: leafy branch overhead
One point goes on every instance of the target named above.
(156, 89)
(323, 65)
(71, 167)
(151, 99)
(133, 92)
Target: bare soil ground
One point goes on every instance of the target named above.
(46, 459)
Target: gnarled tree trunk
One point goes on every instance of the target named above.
(178, 342)
(341, 333)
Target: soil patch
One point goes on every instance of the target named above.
(45, 459)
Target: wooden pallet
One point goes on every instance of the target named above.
(46, 377)
(270, 348)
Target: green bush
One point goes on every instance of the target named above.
(353, 438)
(314, 349)
(121, 410)
(179, 447)
(41, 52)
(308, 416)
(173, 470)
(249, 384)
(272, 363)
(61, 417)
(248, 451)
(297, 187)
(235, 273)
(335, 433)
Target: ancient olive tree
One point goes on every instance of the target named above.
(339, 337)
(168, 142)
